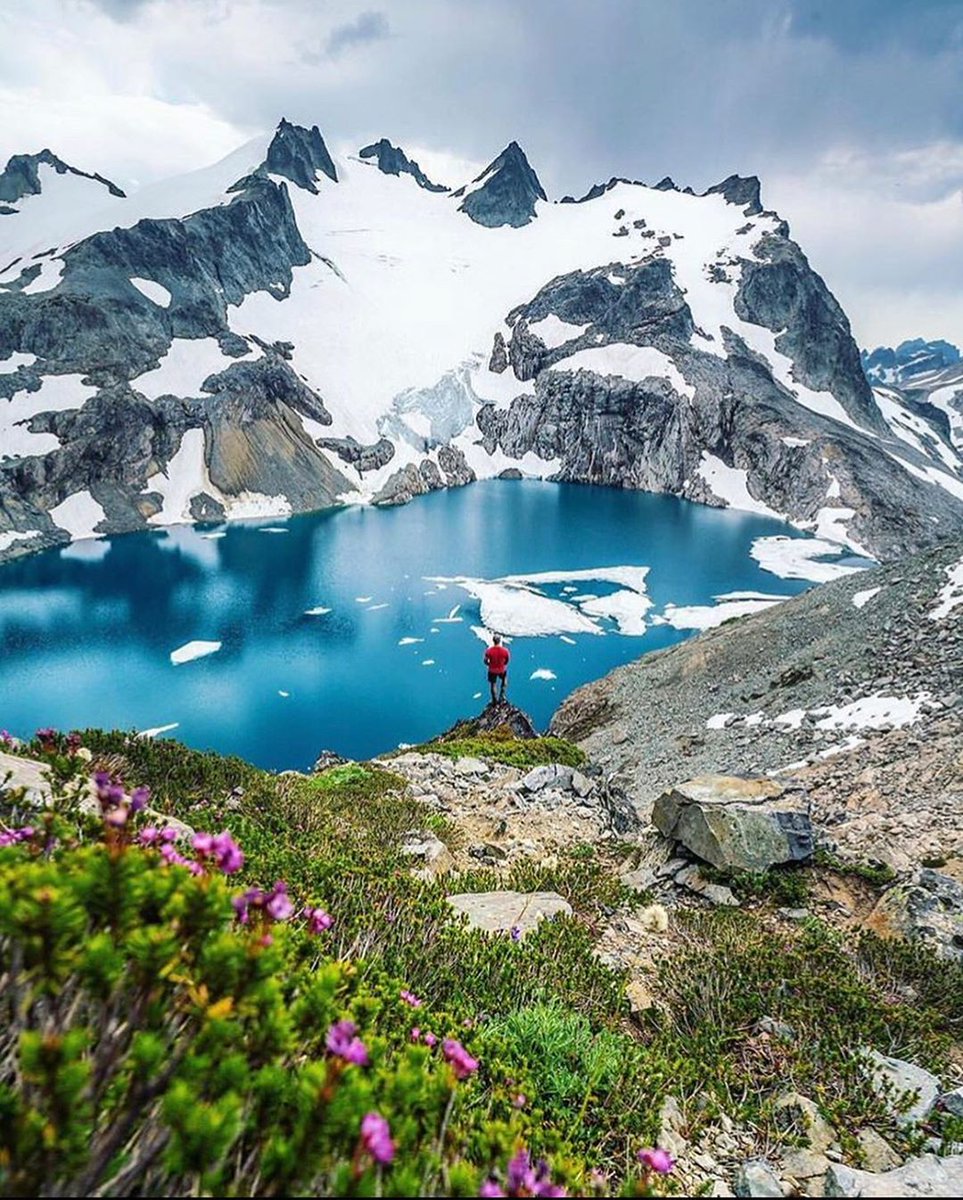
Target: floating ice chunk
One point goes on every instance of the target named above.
(626, 608)
(364, 599)
(565, 638)
(158, 730)
(698, 616)
(272, 529)
(521, 611)
(795, 558)
(409, 641)
(218, 533)
(191, 650)
(543, 673)
(476, 696)
(284, 694)
(318, 611)
(376, 607)
(861, 599)
(427, 662)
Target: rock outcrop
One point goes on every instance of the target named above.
(392, 160)
(926, 908)
(516, 913)
(923, 1176)
(505, 193)
(21, 176)
(736, 824)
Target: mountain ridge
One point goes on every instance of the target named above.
(644, 337)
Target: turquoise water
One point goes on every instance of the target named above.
(86, 633)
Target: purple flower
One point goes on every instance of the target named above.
(342, 1043)
(150, 835)
(222, 848)
(376, 1138)
(490, 1188)
(431, 1041)
(318, 920)
(138, 798)
(410, 998)
(462, 1062)
(10, 837)
(278, 904)
(416, 1034)
(655, 1159)
(230, 857)
(516, 933)
(520, 1175)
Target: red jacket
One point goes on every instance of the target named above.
(496, 659)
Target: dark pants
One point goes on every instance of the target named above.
(493, 678)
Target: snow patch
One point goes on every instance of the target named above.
(872, 712)
(9, 536)
(184, 368)
(79, 514)
(861, 599)
(185, 477)
(951, 594)
(731, 485)
(155, 292)
(553, 332)
(634, 363)
(698, 616)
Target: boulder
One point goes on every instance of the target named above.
(799, 1115)
(923, 1176)
(927, 908)
(757, 1178)
(877, 1153)
(501, 912)
(952, 1102)
(552, 775)
(737, 824)
(894, 1077)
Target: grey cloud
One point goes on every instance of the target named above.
(367, 27)
(122, 10)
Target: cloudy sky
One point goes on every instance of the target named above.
(849, 110)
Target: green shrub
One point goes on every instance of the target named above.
(514, 752)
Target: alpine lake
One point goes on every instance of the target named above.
(345, 629)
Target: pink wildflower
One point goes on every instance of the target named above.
(461, 1061)
(342, 1043)
(376, 1138)
(410, 998)
(655, 1159)
(318, 920)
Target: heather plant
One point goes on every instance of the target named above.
(175, 1023)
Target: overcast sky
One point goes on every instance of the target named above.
(850, 111)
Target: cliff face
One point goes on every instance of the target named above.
(285, 330)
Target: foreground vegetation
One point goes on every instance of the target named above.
(283, 1009)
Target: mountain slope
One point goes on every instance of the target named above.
(853, 688)
(325, 328)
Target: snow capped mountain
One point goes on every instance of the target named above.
(912, 362)
(292, 328)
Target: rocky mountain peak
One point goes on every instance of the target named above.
(505, 192)
(742, 190)
(392, 160)
(298, 154)
(21, 176)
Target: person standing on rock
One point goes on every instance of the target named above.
(496, 660)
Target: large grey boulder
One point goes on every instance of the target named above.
(927, 908)
(896, 1078)
(739, 824)
(923, 1176)
(757, 1178)
(501, 912)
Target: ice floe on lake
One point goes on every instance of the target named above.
(543, 673)
(191, 650)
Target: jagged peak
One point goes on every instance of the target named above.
(392, 160)
(666, 184)
(505, 192)
(599, 189)
(743, 190)
(21, 176)
(298, 153)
